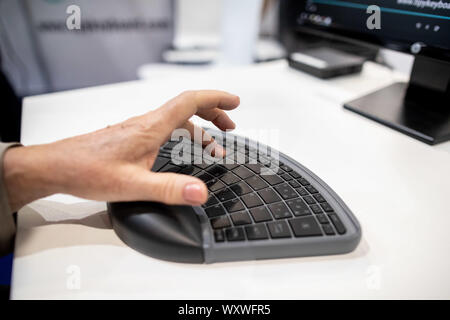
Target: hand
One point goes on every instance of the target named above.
(113, 164)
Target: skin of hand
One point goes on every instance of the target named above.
(113, 164)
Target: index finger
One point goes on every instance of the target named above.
(178, 110)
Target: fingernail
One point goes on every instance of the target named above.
(193, 193)
(219, 151)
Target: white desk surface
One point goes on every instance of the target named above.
(396, 186)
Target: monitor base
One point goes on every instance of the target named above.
(425, 120)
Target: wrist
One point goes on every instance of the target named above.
(27, 175)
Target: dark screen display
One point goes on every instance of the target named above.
(401, 22)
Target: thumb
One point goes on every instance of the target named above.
(172, 188)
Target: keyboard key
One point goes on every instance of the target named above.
(205, 177)
(286, 177)
(242, 172)
(286, 191)
(326, 207)
(272, 179)
(279, 210)
(233, 205)
(322, 218)
(240, 218)
(303, 181)
(202, 165)
(211, 201)
(295, 175)
(220, 222)
(216, 170)
(219, 236)
(241, 188)
(285, 167)
(295, 184)
(251, 200)
(298, 207)
(215, 184)
(279, 229)
(319, 197)
(311, 189)
(302, 192)
(224, 195)
(255, 167)
(337, 223)
(229, 178)
(190, 170)
(159, 163)
(256, 232)
(309, 200)
(260, 214)
(214, 211)
(256, 183)
(305, 227)
(170, 168)
(328, 229)
(316, 209)
(230, 166)
(269, 195)
(235, 234)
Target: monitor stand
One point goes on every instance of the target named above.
(420, 108)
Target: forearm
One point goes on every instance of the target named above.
(28, 175)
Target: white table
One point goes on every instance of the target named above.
(396, 186)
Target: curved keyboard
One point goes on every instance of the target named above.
(260, 206)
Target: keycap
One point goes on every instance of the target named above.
(215, 210)
(260, 214)
(220, 222)
(190, 170)
(269, 195)
(305, 227)
(256, 232)
(251, 200)
(311, 189)
(316, 208)
(224, 195)
(328, 229)
(159, 163)
(216, 170)
(256, 182)
(229, 178)
(285, 167)
(233, 205)
(230, 166)
(295, 174)
(170, 168)
(322, 218)
(272, 179)
(255, 167)
(240, 218)
(219, 236)
(337, 223)
(295, 184)
(298, 207)
(303, 181)
(202, 165)
(286, 191)
(326, 207)
(211, 200)
(279, 210)
(309, 200)
(302, 192)
(215, 184)
(242, 172)
(241, 188)
(286, 177)
(205, 177)
(279, 229)
(235, 234)
(319, 197)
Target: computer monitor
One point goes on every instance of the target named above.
(420, 108)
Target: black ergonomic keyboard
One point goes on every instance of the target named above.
(259, 207)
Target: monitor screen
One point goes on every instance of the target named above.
(407, 25)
